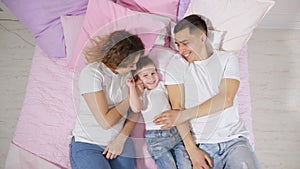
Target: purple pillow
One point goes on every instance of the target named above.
(42, 18)
(182, 7)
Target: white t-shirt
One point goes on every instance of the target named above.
(155, 102)
(96, 77)
(201, 81)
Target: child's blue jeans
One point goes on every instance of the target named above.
(167, 149)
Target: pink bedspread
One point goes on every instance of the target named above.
(243, 94)
(48, 112)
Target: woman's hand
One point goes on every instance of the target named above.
(115, 147)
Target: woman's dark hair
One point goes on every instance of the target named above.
(118, 49)
(193, 22)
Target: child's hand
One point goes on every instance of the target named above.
(140, 87)
(130, 82)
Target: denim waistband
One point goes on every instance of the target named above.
(163, 133)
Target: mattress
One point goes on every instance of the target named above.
(49, 112)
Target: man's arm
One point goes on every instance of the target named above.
(198, 157)
(221, 101)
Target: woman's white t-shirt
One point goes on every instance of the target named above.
(97, 77)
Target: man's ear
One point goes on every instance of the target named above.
(203, 38)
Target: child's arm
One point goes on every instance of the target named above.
(134, 101)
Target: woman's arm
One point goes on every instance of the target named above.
(115, 147)
(105, 117)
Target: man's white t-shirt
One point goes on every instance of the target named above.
(201, 81)
(97, 77)
(155, 102)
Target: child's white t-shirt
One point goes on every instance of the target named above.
(201, 81)
(155, 102)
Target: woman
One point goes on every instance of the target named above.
(101, 128)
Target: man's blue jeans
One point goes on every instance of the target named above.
(89, 156)
(233, 154)
(167, 149)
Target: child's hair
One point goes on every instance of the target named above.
(118, 49)
(144, 61)
(193, 22)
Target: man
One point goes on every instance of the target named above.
(209, 81)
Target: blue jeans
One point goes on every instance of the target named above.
(89, 156)
(167, 149)
(233, 154)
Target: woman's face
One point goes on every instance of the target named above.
(149, 76)
(131, 66)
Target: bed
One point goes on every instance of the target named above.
(48, 114)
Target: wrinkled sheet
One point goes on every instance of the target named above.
(48, 113)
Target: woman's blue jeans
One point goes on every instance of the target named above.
(89, 156)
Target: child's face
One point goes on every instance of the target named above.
(149, 76)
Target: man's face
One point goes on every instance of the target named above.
(190, 45)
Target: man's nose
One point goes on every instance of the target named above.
(181, 49)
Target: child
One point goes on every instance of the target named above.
(165, 146)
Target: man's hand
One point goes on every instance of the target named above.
(199, 158)
(169, 118)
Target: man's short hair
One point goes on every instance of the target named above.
(193, 22)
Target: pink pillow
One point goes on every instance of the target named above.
(42, 18)
(237, 18)
(104, 17)
(71, 28)
(163, 7)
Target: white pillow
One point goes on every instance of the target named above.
(71, 29)
(238, 18)
(162, 38)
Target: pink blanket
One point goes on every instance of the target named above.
(48, 112)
